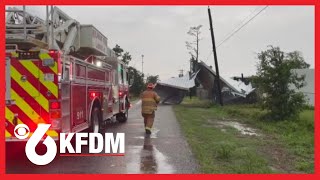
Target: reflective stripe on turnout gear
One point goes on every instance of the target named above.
(148, 128)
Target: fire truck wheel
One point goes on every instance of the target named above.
(95, 120)
(123, 117)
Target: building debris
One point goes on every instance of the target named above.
(173, 90)
(232, 91)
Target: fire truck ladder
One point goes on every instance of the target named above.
(23, 29)
(29, 31)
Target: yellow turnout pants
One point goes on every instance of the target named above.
(148, 120)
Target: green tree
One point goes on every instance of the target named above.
(276, 80)
(297, 60)
(153, 79)
(118, 50)
(137, 81)
(126, 58)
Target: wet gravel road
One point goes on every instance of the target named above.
(165, 151)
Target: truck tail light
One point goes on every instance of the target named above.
(55, 114)
(120, 94)
(55, 105)
(94, 94)
(53, 52)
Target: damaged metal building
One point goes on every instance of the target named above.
(173, 90)
(232, 91)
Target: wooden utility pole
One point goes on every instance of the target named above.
(217, 79)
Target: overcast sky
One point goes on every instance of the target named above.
(160, 32)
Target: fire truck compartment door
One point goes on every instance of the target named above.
(115, 95)
(78, 106)
(25, 88)
(28, 76)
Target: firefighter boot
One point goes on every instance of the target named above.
(149, 123)
(148, 130)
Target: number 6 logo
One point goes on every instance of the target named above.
(34, 140)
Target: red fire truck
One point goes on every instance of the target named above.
(61, 73)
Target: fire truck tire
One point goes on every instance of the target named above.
(123, 117)
(96, 120)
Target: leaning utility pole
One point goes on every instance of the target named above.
(217, 80)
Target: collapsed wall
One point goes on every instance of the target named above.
(232, 91)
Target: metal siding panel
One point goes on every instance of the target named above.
(78, 101)
(80, 71)
(96, 74)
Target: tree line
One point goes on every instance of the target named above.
(136, 77)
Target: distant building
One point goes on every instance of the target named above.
(308, 89)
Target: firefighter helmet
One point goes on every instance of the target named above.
(150, 86)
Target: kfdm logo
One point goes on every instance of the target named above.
(96, 143)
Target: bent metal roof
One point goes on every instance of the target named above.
(184, 82)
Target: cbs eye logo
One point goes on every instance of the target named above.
(21, 131)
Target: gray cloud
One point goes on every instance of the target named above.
(159, 32)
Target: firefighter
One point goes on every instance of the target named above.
(149, 102)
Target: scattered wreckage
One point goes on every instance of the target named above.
(173, 90)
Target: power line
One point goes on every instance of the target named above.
(243, 21)
(239, 28)
(232, 34)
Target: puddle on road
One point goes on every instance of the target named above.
(147, 159)
(243, 129)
